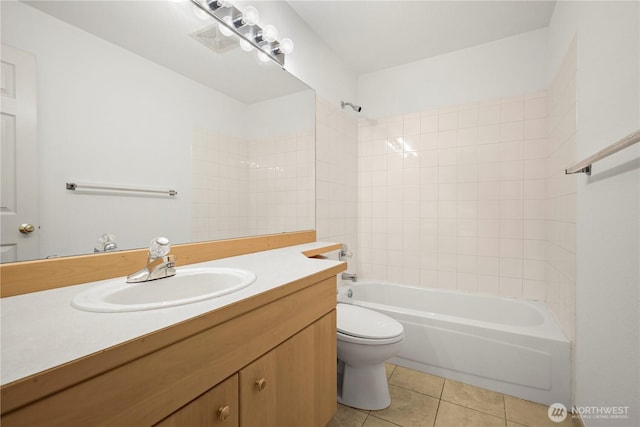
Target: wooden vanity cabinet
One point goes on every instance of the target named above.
(292, 385)
(295, 383)
(216, 408)
(206, 371)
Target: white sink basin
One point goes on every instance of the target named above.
(189, 285)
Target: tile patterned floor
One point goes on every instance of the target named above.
(423, 400)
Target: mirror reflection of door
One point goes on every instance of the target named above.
(18, 157)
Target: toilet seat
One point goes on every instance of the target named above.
(363, 326)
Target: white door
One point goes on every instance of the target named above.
(19, 240)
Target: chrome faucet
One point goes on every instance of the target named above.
(106, 243)
(349, 276)
(344, 253)
(159, 265)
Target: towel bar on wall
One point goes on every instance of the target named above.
(109, 188)
(585, 165)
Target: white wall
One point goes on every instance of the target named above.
(506, 67)
(311, 61)
(607, 365)
(279, 116)
(82, 81)
(336, 130)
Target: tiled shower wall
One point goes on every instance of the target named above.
(281, 183)
(560, 216)
(474, 197)
(220, 182)
(252, 187)
(337, 178)
(455, 197)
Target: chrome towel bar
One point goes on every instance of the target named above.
(585, 165)
(73, 187)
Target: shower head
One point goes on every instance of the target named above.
(356, 108)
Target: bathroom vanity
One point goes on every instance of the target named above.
(264, 357)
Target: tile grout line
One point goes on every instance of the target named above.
(477, 410)
(416, 391)
(461, 405)
(386, 421)
(504, 408)
(435, 418)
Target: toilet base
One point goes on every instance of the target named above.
(364, 387)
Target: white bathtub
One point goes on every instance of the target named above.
(509, 345)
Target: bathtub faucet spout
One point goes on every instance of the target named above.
(350, 276)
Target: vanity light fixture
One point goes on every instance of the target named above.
(245, 25)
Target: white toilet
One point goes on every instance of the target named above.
(366, 339)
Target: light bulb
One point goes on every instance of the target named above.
(263, 56)
(245, 45)
(250, 15)
(265, 46)
(270, 33)
(223, 28)
(286, 46)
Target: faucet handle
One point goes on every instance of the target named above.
(169, 261)
(344, 253)
(159, 247)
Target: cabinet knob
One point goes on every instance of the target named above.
(261, 384)
(224, 413)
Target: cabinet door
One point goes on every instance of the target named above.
(216, 407)
(299, 387)
(258, 392)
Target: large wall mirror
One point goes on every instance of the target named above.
(149, 95)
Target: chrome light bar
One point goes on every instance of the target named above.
(245, 25)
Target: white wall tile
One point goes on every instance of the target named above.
(489, 284)
(429, 122)
(448, 120)
(470, 210)
(511, 131)
(512, 109)
(510, 287)
(489, 246)
(468, 116)
(489, 112)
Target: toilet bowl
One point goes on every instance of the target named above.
(366, 339)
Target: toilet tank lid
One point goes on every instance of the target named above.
(364, 323)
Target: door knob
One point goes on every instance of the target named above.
(26, 228)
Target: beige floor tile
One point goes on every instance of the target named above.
(473, 397)
(377, 422)
(409, 408)
(531, 414)
(450, 415)
(417, 381)
(347, 417)
(389, 368)
(514, 424)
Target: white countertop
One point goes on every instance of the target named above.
(41, 330)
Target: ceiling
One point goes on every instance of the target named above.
(373, 35)
(367, 35)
